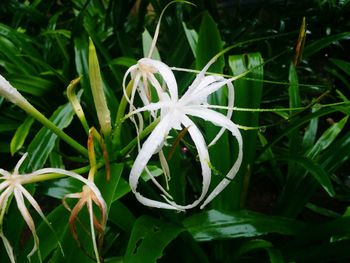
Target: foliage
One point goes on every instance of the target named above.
(288, 203)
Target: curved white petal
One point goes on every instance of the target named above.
(29, 220)
(166, 74)
(203, 154)
(92, 186)
(200, 85)
(129, 71)
(201, 74)
(230, 98)
(149, 147)
(221, 120)
(20, 162)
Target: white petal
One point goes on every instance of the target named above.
(93, 236)
(20, 162)
(149, 147)
(166, 74)
(5, 174)
(201, 74)
(29, 220)
(206, 81)
(130, 70)
(8, 247)
(221, 120)
(203, 154)
(230, 103)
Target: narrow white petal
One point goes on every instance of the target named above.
(206, 81)
(203, 154)
(29, 220)
(230, 103)
(221, 120)
(129, 71)
(5, 174)
(8, 247)
(20, 162)
(149, 147)
(201, 74)
(93, 235)
(3, 185)
(166, 74)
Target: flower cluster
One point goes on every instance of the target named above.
(176, 113)
(12, 185)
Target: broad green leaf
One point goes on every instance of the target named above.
(109, 187)
(20, 135)
(149, 238)
(213, 225)
(247, 95)
(209, 44)
(121, 216)
(59, 221)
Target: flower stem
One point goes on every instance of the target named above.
(120, 116)
(26, 106)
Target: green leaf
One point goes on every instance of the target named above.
(123, 61)
(192, 38)
(342, 64)
(20, 135)
(44, 142)
(121, 216)
(148, 239)
(274, 254)
(209, 44)
(327, 138)
(247, 95)
(213, 225)
(109, 187)
(316, 170)
(319, 44)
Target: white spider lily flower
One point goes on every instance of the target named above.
(12, 184)
(174, 114)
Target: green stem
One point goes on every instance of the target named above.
(26, 106)
(143, 134)
(120, 116)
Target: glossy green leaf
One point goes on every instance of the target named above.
(21, 134)
(121, 216)
(213, 225)
(247, 95)
(124, 61)
(109, 187)
(142, 246)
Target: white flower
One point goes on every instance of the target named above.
(174, 113)
(12, 184)
(10, 93)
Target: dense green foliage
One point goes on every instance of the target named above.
(289, 201)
